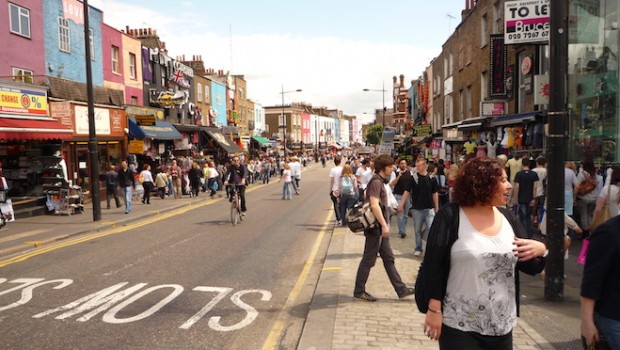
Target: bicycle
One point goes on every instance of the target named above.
(235, 205)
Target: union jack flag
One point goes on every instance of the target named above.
(177, 76)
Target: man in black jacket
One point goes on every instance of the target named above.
(236, 175)
(111, 178)
(127, 183)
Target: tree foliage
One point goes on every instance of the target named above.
(374, 134)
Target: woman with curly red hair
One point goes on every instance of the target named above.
(468, 283)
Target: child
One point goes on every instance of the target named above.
(287, 178)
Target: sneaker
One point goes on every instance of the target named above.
(417, 253)
(408, 292)
(364, 296)
(402, 235)
(338, 223)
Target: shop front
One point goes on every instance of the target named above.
(29, 140)
(110, 125)
(452, 142)
(152, 141)
(523, 133)
(188, 144)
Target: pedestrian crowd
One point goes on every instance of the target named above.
(476, 225)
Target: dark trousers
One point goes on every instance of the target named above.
(377, 244)
(336, 205)
(454, 339)
(161, 192)
(525, 217)
(347, 201)
(148, 187)
(111, 192)
(210, 183)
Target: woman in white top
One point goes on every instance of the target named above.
(147, 183)
(586, 203)
(470, 277)
(288, 181)
(212, 175)
(610, 195)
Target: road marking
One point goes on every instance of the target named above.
(332, 268)
(274, 335)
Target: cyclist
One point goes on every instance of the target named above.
(236, 175)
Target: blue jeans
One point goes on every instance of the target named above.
(610, 329)
(347, 201)
(286, 191)
(402, 217)
(525, 217)
(128, 195)
(422, 221)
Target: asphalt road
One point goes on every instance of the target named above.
(187, 280)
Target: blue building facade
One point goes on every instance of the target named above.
(218, 103)
(65, 59)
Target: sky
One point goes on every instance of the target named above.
(330, 49)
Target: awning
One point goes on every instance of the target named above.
(514, 119)
(162, 130)
(262, 141)
(223, 141)
(451, 125)
(470, 126)
(473, 123)
(187, 127)
(33, 129)
(335, 145)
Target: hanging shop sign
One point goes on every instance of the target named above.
(541, 89)
(526, 21)
(145, 120)
(498, 62)
(493, 108)
(423, 130)
(136, 146)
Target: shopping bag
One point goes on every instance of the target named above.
(581, 259)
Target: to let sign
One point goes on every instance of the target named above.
(526, 21)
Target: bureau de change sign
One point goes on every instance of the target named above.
(526, 21)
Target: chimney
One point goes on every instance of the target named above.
(402, 80)
(127, 29)
(395, 80)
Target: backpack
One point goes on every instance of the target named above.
(346, 186)
(587, 185)
(361, 218)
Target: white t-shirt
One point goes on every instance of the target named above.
(334, 173)
(542, 175)
(213, 173)
(295, 169)
(612, 200)
(286, 175)
(364, 175)
(480, 295)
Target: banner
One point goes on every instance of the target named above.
(24, 102)
(498, 62)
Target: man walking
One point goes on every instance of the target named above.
(111, 178)
(364, 174)
(127, 183)
(378, 238)
(524, 193)
(424, 201)
(402, 189)
(295, 173)
(334, 181)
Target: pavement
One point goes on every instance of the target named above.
(335, 319)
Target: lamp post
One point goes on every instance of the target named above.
(283, 116)
(383, 92)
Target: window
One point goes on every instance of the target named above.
(115, 63)
(484, 30)
(132, 66)
(25, 76)
(497, 18)
(462, 104)
(450, 65)
(468, 55)
(134, 100)
(20, 20)
(484, 85)
(207, 94)
(91, 39)
(199, 92)
(64, 35)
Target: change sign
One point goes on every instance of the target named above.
(527, 21)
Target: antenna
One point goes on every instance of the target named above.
(231, 46)
(450, 18)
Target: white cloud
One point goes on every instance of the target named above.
(331, 71)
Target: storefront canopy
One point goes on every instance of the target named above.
(33, 129)
(162, 130)
(514, 119)
(223, 141)
(262, 141)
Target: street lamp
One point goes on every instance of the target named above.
(383, 92)
(283, 116)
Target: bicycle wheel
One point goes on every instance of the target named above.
(234, 212)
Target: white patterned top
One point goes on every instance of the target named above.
(480, 296)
